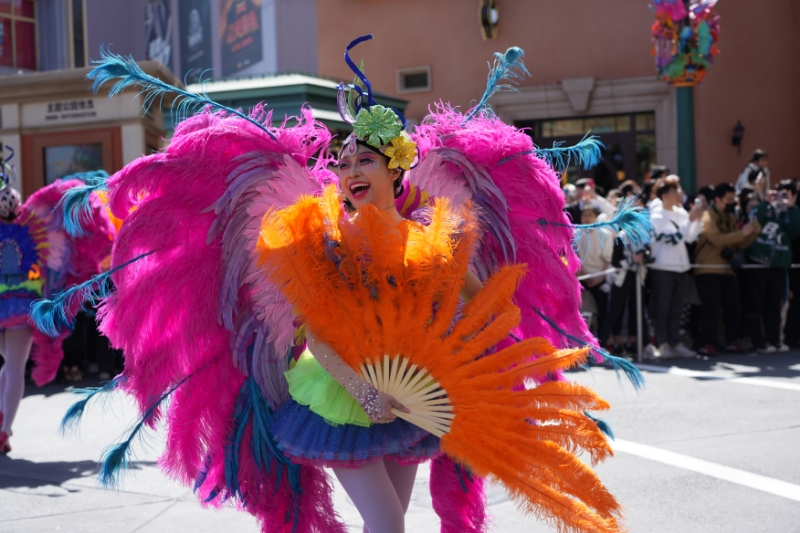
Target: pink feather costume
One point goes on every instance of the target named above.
(199, 324)
(62, 260)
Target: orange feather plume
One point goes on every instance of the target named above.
(370, 288)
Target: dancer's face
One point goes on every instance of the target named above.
(365, 178)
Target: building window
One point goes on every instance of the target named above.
(414, 80)
(18, 34)
(78, 33)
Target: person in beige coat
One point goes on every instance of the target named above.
(719, 243)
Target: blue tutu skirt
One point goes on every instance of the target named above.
(14, 308)
(306, 437)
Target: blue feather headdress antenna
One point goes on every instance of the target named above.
(128, 74)
(508, 66)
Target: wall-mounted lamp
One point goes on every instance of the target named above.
(738, 134)
(488, 16)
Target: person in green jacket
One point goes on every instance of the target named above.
(779, 219)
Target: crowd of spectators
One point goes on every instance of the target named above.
(717, 276)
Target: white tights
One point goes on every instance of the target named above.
(15, 347)
(381, 491)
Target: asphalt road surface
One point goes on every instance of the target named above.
(709, 446)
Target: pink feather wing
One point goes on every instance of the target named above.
(193, 307)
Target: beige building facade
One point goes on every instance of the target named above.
(591, 67)
(55, 126)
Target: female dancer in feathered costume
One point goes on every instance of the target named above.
(257, 332)
(37, 258)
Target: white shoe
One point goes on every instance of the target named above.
(783, 348)
(682, 351)
(666, 351)
(651, 353)
(768, 349)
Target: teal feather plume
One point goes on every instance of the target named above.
(601, 425)
(58, 314)
(75, 411)
(74, 209)
(129, 74)
(630, 223)
(619, 364)
(586, 154)
(508, 66)
(118, 457)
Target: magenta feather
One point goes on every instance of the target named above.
(523, 189)
(458, 498)
(199, 304)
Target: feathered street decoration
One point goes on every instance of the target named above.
(685, 40)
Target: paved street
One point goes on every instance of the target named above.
(709, 446)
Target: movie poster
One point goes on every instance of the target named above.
(240, 34)
(158, 31)
(195, 38)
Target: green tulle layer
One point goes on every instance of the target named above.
(30, 285)
(311, 385)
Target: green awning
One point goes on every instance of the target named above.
(285, 94)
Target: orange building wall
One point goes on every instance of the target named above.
(756, 79)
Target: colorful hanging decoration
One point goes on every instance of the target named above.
(685, 39)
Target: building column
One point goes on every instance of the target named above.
(687, 155)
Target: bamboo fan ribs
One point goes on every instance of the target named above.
(386, 299)
(427, 402)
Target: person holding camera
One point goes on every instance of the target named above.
(587, 197)
(757, 168)
(673, 229)
(779, 221)
(720, 242)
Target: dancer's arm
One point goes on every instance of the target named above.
(376, 404)
(472, 286)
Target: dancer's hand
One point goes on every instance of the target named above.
(386, 415)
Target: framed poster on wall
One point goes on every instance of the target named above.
(240, 34)
(51, 156)
(63, 160)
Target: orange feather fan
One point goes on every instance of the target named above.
(384, 297)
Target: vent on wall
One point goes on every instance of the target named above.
(414, 80)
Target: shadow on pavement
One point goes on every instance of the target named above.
(21, 473)
(782, 365)
(51, 389)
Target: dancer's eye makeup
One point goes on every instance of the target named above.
(364, 160)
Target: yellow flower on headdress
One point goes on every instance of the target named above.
(402, 152)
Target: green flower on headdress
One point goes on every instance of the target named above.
(377, 126)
